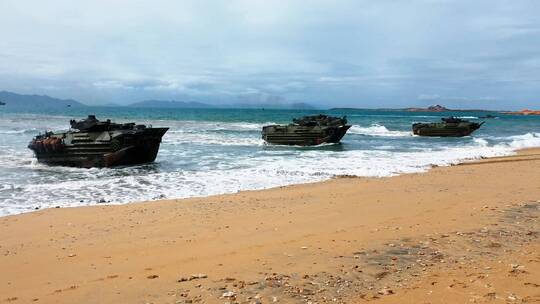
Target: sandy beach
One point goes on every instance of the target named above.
(461, 234)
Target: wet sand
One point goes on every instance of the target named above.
(460, 234)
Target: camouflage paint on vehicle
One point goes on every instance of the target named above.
(307, 131)
(94, 143)
(448, 127)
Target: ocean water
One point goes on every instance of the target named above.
(214, 151)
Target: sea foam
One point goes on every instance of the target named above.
(377, 130)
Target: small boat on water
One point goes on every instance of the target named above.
(448, 127)
(307, 131)
(94, 143)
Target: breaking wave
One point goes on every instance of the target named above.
(377, 130)
(528, 140)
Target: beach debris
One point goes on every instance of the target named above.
(192, 277)
(152, 276)
(516, 268)
(512, 297)
(385, 291)
(490, 295)
(198, 276)
(381, 274)
(228, 294)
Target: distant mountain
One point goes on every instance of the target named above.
(302, 106)
(107, 104)
(14, 100)
(169, 104)
(33, 102)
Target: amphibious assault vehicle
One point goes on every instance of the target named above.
(94, 143)
(307, 131)
(449, 127)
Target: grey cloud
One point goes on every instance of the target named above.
(335, 53)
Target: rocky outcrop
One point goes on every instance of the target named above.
(435, 108)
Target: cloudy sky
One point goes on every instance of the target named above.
(385, 53)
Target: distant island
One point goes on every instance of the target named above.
(433, 109)
(439, 108)
(21, 101)
(524, 112)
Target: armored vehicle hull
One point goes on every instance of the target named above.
(307, 131)
(449, 127)
(99, 145)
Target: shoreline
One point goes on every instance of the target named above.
(349, 239)
(427, 168)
